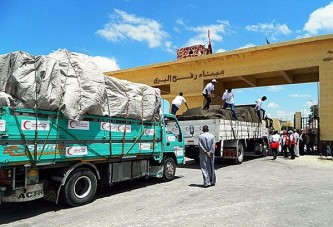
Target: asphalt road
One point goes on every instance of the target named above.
(259, 192)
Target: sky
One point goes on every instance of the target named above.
(122, 34)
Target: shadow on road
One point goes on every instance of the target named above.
(219, 162)
(10, 212)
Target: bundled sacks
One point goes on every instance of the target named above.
(72, 83)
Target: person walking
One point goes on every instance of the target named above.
(285, 144)
(177, 102)
(208, 93)
(259, 108)
(228, 98)
(312, 139)
(275, 142)
(292, 142)
(206, 157)
(302, 143)
(296, 149)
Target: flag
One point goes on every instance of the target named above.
(267, 41)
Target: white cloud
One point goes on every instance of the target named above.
(201, 36)
(270, 29)
(246, 46)
(220, 50)
(273, 105)
(299, 96)
(320, 20)
(284, 115)
(129, 26)
(275, 88)
(106, 64)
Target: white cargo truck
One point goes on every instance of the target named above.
(234, 139)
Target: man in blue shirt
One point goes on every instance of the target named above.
(206, 157)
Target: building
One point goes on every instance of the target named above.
(297, 61)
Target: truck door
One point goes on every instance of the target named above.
(173, 139)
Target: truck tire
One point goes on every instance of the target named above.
(169, 169)
(240, 153)
(80, 187)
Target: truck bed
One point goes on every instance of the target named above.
(222, 129)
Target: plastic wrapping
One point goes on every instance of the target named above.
(73, 84)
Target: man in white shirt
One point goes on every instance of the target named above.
(259, 108)
(208, 93)
(177, 102)
(228, 98)
(296, 148)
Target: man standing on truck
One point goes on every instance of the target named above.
(206, 156)
(208, 93)
(228, 98)
(177, 102)
(258, 108)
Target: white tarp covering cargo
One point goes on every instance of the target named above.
(72, 83)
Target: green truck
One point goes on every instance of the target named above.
(45, 155)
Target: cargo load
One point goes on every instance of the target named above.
(73, 84)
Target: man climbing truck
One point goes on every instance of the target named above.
(72, 129)
(234, 139)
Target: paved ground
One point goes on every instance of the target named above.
(260, 192)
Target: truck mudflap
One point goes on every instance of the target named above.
(29, 193)
(230, 153)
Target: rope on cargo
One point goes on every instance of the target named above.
(25, 144)
(126, 118)
(36, 117)
(232, 129)
(110, 122)
(142, 125)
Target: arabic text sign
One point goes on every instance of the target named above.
(193, 76)
(80, 125)
(115, 127)
(31, 125)
(76, 150)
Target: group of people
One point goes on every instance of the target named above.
(292, 143)
(227, 97)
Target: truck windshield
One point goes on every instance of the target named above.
(172, 127)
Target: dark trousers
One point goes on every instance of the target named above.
(208, 101)
(309, 148)
(301, 147)
(174, 109)
(232, 106)
(274, 152)
(285, 150)
(292, 151)
(259, 115)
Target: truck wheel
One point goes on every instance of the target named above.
(169, 169)
(80, 187)
(240, 152)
